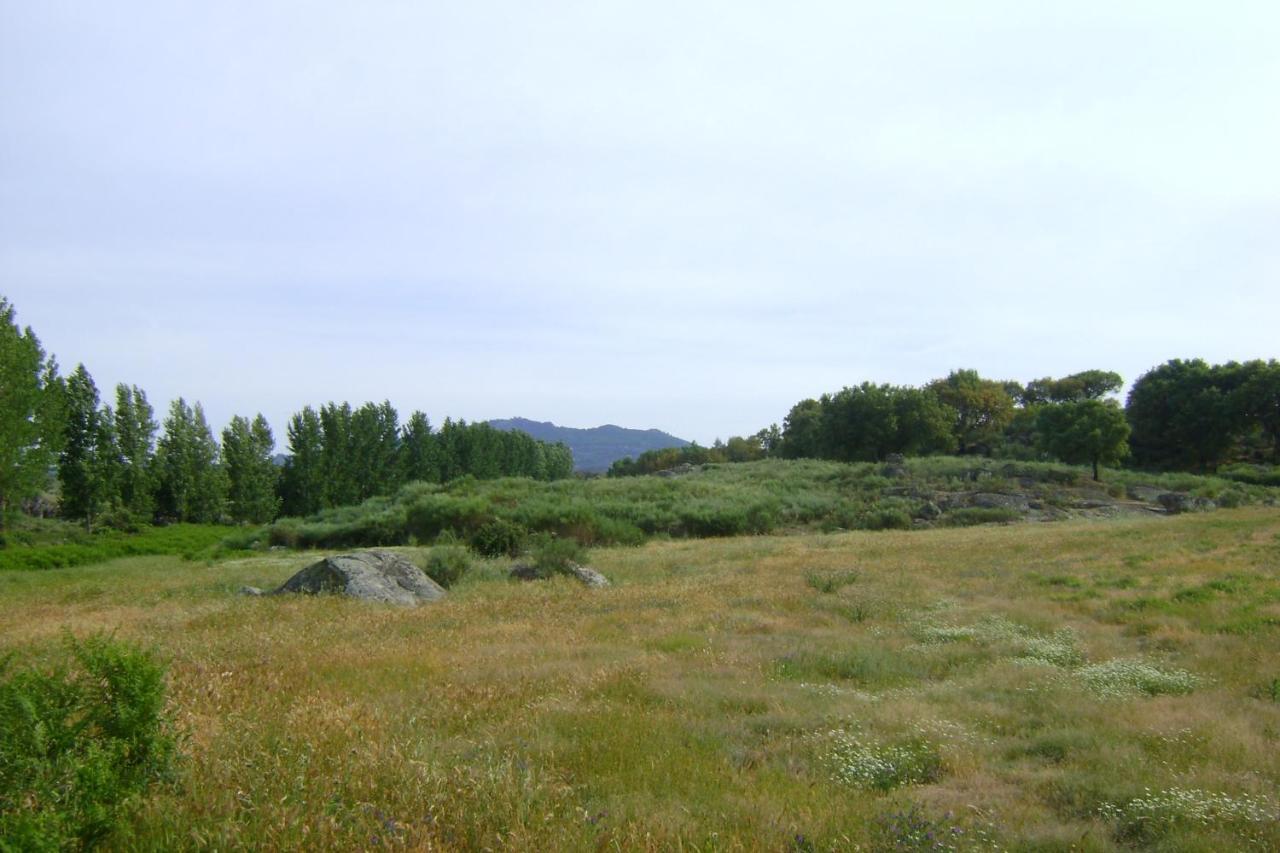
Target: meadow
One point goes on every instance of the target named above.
(1088, 684)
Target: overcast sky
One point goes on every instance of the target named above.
(656, 214)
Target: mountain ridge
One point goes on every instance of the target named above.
(594, 448)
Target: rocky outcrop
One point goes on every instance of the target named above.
(585, 574)
(992, 500)
(366, 575)
(1179, 502)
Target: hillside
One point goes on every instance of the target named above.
(595, 449)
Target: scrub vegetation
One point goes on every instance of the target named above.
(1092, 684)
(767, 496)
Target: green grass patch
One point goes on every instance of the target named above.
(189, 541)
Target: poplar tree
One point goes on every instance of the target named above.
(89, 465)
(302, 481)
(135, 437)
(419, 456)
(30, 422)
(251, 473)
(192, 486)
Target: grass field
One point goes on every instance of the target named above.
(1094, 685)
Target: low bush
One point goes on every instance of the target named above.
(1254, 475)
(79, 746)
(885, 518)
(446, 564)
(553, 555)
(499, 538)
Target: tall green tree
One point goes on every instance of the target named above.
(192, 485)
(1184, 415)
(135, 436)
(1258, 399)
(251, 473)
(89, 465)
(30, 416)
(1085, 385)
(341, 487)
(373, 444)
(559, 460)
(802, 431)
(981, 408)
(1093, 432)
(858, 424)
(923, 423)
(419, 458)
(302, 481)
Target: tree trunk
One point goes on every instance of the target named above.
(1095, 469)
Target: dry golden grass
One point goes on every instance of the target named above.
(693, 704)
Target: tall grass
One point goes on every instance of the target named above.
(1021, 687)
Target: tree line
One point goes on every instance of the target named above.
(1182, 415)
(116, 465)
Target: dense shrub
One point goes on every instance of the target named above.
(553, 555)
(717, 500)
(446, 564)
(430, 515)
(1254, 475)
(886, 518)
(499, 538)
(79, 746)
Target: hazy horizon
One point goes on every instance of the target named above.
(650, 215)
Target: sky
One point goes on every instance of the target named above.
(687, 215)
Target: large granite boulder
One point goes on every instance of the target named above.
(367, 575)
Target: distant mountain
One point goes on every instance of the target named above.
(598, 448)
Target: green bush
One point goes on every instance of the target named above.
(430, 515)
(499, 538)
(885, 518)
(446, 564)
(1254, 475)
(79, 747)
(552, 555)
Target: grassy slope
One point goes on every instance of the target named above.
(694, 703)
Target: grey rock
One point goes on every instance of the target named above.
(367, 575)
(1177, 502)
(991, 500)
(895, 466)
(586, 575)
(1149, 494)
(251, 591)
(524, 572)
(927, 511)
